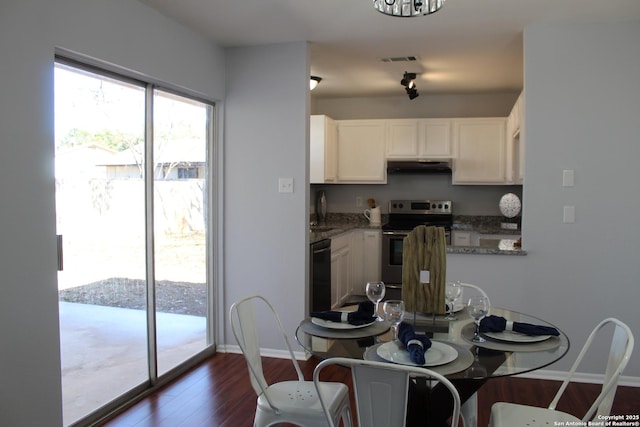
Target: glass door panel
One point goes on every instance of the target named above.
(100, 214)
(180, 251)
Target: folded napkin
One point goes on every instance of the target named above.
(499, 324)
(416, 344)
(363, 315)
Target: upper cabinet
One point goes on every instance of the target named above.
(361, 152)
(415, 139)
(322, 149)
(515, 143)
(480, 151)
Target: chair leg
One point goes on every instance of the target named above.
(469, 411)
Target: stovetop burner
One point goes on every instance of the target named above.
(408, 214)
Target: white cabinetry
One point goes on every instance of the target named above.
(372, 256)
(480, 151)
(361, 151)
(322, 149)
(340, 269)
(410, 139)
(515, 143)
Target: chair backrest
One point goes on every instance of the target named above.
(242, 316)
(381, 390)
(619, 354)
(477, 289)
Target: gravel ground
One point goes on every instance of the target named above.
(171, 297)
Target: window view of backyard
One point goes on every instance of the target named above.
(128, 231)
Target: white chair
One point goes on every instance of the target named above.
(470, 407)
(381, 390)
(510, 414)
(294, 402)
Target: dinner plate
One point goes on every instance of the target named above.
(337, 325)
(439, 354)
(512, 336)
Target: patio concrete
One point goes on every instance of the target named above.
(104, 352)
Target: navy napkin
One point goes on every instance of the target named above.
(499, 324)
(416, 344)
(362, 316)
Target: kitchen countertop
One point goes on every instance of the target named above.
(336, 226)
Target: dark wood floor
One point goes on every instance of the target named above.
(218, 393)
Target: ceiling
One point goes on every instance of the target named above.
(469, 46)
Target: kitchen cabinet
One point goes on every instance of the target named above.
(322, 149)
(372, 255)
(361, 152)
(366, 246)
(340, 269)
(480, 151)
(421, 139)
(515, 143)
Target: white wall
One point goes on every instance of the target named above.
(582, 108)
(266, 138)
(125, 33)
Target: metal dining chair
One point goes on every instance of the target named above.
(510, 414)
(297, 402)
(381, 390)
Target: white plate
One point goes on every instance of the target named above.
(458, 306)
(337, 325)
(438, 354)
(515, 336)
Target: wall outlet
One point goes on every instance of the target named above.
(359, 202)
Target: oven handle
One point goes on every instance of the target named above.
(395, 233)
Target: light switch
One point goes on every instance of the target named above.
(568, 178)
(285, 185)
(569, 216)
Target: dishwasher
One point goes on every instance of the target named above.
(320, 275)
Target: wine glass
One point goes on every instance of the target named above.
(393, 313)
(375, 293)
(478, 307)
(453, 291)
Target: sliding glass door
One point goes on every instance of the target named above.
(132, 197)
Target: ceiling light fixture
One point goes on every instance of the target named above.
(408, 81)
(313, 82)
(407, 8)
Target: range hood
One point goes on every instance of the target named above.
(418, 166)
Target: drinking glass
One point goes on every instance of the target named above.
(393, 313)
(375, 293)
(453, 291)
(478, 307)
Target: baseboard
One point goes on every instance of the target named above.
(579, 377)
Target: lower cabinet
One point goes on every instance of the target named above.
(355, 260)
(340, 269)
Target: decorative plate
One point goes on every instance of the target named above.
(510, 205)
(439, 354)
(337, 325)
(511, 336)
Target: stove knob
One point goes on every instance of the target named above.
(446, 206)
(440, 206)
(433, 206)
(400, 205)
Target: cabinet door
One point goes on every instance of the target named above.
(361, 151)
(372, 257)
(322, 149)
(480, 151)
(403, 138)
(436, 139)
(340, 269)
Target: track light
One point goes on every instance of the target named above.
(313, 82)
(408, 81)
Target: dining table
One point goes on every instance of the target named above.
(467, 364)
